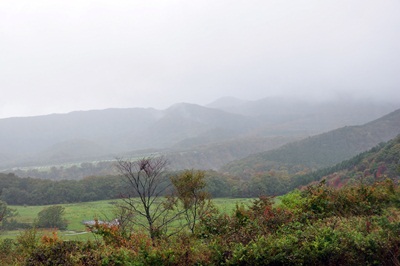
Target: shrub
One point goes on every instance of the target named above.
(27, 241)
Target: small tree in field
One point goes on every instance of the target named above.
(52, 217)
(189, 187)
(147, 183)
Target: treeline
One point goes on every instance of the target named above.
(72, 172)
(33, 191)
(15, 190)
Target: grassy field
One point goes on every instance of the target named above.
(78, 212)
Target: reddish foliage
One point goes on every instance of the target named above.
(112, 235)
(50, 240)
(380, 171)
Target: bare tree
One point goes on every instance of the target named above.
(147, 184)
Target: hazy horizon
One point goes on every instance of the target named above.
(58, 57)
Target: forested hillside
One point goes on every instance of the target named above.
(319, 151)
(379, 163)
(217, 154)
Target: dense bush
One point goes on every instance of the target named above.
(355, 225)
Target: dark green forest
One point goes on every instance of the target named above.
(33, 191)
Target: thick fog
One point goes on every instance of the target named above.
(59, 56)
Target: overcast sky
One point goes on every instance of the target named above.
(58, 56)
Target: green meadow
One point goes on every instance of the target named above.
(75, 213)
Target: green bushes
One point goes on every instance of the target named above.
(356, 225)
(333, 242)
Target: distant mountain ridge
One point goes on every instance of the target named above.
(112, 132)
(187, 130)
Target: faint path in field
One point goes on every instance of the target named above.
(75, 234)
